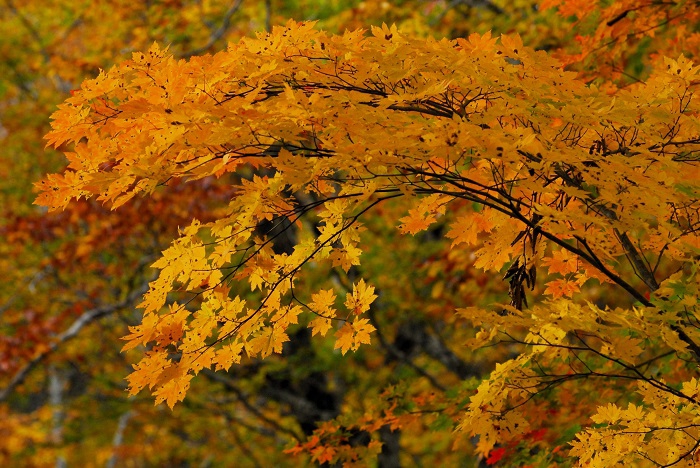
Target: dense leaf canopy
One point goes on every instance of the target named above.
(379, 244)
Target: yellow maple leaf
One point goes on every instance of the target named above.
(320, 325)
(147, 370)
(351, 335)
(626, 348)
(479, 42)
(607, 414)
(361, 298)
(466, 228)
(174, 390)
(344, 338)
(362, 332)
(323, 302)
(691, 388)
(228, 355)
(268, 341)
(495, 253)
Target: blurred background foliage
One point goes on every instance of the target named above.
(71, 279)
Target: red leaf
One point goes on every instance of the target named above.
(495, 455)
(536, 435)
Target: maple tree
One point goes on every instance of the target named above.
(344, 204)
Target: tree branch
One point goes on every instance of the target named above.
(71, 332)
(230, 385)
(219, 33)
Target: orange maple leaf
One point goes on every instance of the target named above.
(415, 222)
(323, 454)
(425, 214)
(562, 287)
(562, 261)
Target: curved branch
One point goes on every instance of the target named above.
(70, 333)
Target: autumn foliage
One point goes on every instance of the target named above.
(378, 245)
